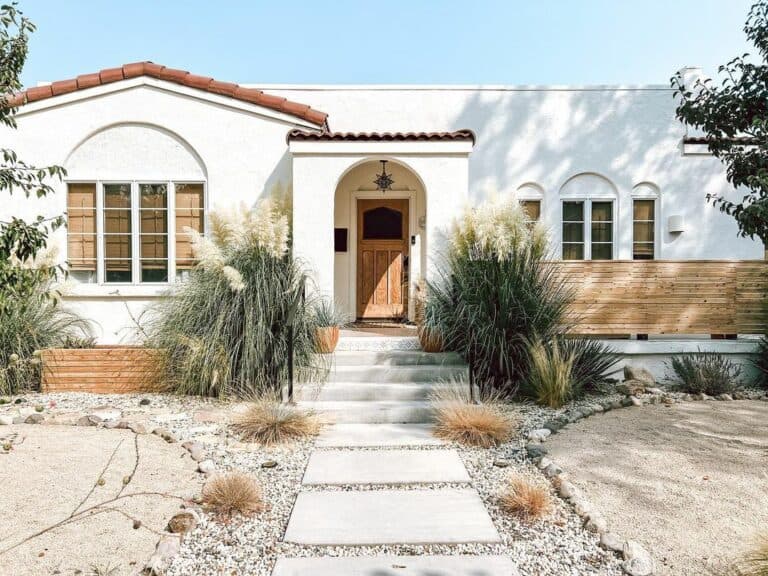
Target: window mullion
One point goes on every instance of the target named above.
(587, 229)
(171, 232)
(100, 215)
(135, 234)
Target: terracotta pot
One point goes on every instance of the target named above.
(430, 339)
(326, 339)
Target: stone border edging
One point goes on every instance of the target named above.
(637, 560)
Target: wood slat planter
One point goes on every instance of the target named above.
(668, 297)
(104, 369)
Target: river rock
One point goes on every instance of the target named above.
(638, 373)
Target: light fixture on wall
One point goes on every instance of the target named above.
(383, 181)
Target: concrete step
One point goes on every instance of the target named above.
(369, 435)
(361, 391)
(340, 467)
(395, 358)
(407, 374)
(373, 412)
(374, 517)
(397, 566)
(378, 343)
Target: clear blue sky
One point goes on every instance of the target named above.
(390, 41)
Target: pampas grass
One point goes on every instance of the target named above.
(225, 331)
(458, 420)
(270, 422)
(232, 493)
(526, 498)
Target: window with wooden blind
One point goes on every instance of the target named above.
(81, 230)
(643, 229)
(532, 209)
(132, 232)
(190, 215)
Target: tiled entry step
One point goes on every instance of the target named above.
(371, 517)
(385, 467)
(397, 566)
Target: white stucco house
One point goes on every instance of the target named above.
(149, 150)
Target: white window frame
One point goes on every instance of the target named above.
(588, 223)
(135, 226)
(656, 197)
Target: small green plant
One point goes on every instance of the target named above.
(77, 342)
(704, 373)
(550, 373)
(328, 315)
(760, 362)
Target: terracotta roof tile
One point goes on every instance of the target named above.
(135, 69)
(736, 140)
(325, 136)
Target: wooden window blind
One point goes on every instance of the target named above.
(190, 214)
(81, 226)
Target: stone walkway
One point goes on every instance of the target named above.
(394, 479)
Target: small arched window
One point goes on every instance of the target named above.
(382, 224)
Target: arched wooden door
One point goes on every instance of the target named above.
(382, 258)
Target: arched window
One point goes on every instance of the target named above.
(531, 196)
(588, 204)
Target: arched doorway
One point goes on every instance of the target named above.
(381, 244)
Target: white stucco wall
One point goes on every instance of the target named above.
(530, 142)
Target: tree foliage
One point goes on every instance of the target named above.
(20, 241)
(733, 117)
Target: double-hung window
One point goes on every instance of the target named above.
(132, 232)
(587, 232)
(643, 229)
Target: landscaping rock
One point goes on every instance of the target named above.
(657, 391)
(725, 397)
(554, 425)
(107, 413)
(168, 547)
(638, 562)
(567, 490)
(535, 451)
(635, 401)
(610, 541)
(631, 387)
(6, 420)
(111, 424)
(197, 453)
(626, 402)
(165, 435)
(182, 523)
(739, 396)
(596, 523)
(544, 462)
(88, 420)
(19, 419)
(552, 470)
(34, 419)
(638, 373)
(539, 435)
(137, 428)
(206, 467)
(497, 463)
(144, 402)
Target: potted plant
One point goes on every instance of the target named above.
(328, 322)
(428, 332)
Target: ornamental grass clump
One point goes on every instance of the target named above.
(496, 290)
(550, 373)
(487, 424)
(270, 422)
(227, 329)
(705, 373)
(33, 319)
(526, 498)
(233, 493)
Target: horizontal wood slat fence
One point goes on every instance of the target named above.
(668, 297)
(108, 370)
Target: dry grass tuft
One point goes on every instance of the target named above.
(233, 493)
(271, 422)
(484, 425)
(526, 498)
(755, 563)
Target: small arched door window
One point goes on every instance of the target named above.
(382, 224)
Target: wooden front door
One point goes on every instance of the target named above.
(382, 258)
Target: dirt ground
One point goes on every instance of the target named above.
(689, 482)
(49, 475)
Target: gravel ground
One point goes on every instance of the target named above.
(558, 546)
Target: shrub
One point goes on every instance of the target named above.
(761, 363)
(226, 329)
(592, 360)
(33, 321)
(328, 315)
(704, 373)
(458, 420)
(232, 493)
(550, 373)
(526, 498)
(496, 291)
(756, 561)
(271, 422)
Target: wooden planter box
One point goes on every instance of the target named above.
(104, 370)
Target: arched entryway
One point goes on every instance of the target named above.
(380, 241)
